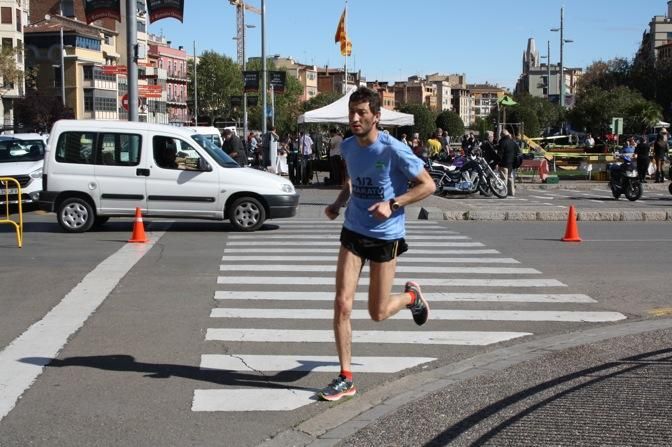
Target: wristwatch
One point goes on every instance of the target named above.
(394, 205)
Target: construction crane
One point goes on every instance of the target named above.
(241, 7)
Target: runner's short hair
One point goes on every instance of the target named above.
(365, 94)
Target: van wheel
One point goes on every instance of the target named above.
(99, 221)
(75, 215)
(247, 214)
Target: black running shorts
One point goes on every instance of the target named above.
(376, 250)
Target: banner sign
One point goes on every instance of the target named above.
(236, 101)
(250, 81)
(100, 9)
(277, 80)
(161, 9)
(113, 69)
(252, 101)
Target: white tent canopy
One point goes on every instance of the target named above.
(337, 112)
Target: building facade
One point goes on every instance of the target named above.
(485, 97)
(306, 75)
(13, 18)
(385, 92)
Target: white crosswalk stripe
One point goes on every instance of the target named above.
(263, 320)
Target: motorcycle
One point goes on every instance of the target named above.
(624, 179)
(475, 174)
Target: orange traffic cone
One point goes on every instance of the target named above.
(138, 228)
(572, 231)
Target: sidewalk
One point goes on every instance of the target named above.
(605, 386)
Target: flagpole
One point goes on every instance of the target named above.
(345, 58)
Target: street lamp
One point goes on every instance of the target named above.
(563, 41)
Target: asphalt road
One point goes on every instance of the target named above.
(169, 356)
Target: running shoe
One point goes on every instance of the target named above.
(420, 308)
(339, 387)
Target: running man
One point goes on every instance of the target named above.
(379, 168)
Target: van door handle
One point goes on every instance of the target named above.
(142, 171)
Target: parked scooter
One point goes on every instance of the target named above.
(624, 179)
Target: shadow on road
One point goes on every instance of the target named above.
(127, 363)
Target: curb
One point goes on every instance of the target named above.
(605, 215)
(343, 420)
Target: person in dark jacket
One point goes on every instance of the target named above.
(508, 151)
(488, 149)
(659, 153)
(643, 158)
(234, 147)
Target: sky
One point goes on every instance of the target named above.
(394, 39)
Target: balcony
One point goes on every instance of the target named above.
(177, 99)
(180, 75)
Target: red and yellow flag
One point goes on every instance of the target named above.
(342, 36)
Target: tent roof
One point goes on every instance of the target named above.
(337, 112)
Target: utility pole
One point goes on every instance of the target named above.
(548, 69)
(263, 69)
(562, 69)
(62, 66)
(195, 86)
(132, 58)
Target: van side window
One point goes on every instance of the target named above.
(173, 153)
(118, 149)
(75, 147)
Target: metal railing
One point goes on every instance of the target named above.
(5, 189)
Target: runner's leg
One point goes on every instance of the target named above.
(347, 276)
(382, 304)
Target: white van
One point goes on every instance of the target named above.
(21, 158)
(211, 133)
(94, 170)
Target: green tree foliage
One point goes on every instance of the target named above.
(450, 122)
(526, 116)
(219, 78)
(9, 70)
(606, 75)
(595, 108)
(482, 125)
(548, 114)
(321, 100)
(424, 120)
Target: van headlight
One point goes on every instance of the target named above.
(288, 188)
(37, 173)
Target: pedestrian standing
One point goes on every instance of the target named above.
(269, 147)
(659, 153)
(305, 154)
(335, 161)
(234, 147)
(643, 157)
(508, 152)
(379, 168)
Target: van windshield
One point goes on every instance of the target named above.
(14, 150)
(215, 151)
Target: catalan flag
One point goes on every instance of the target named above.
(342, 36)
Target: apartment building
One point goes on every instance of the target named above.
(306, 74)
(485, 97)
(332, 79)
(416, 90)
(444, 97)
(386, 93)
(658, 35)
(167, 67)
(13, 17)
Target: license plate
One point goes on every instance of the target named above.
(9, 191)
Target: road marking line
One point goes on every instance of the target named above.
(437, 314)
(23, 360)
(256, 399)
(543, 197)
(335, 243)
(262, 268)
(431, 297)
(461, 338)
(597, 201)
(319, 229)
(334, 249)
(302, 237)
(402, 259)
(364, 281)
(313, 363)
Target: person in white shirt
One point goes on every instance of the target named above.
(306, 153)
(335, 160)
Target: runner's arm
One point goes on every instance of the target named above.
(333, 210)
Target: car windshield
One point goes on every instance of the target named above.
(215, 151)
(14, 150)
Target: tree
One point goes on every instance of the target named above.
(38, 113)
(321, 100)
(526, 116)
(595, 108)
(548, 114)
(219, 78)
(424, 120)
(451, 123)
(9, 70)
(606, 75)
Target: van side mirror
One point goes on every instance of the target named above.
(203, 165)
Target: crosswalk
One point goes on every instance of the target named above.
(274, 309)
